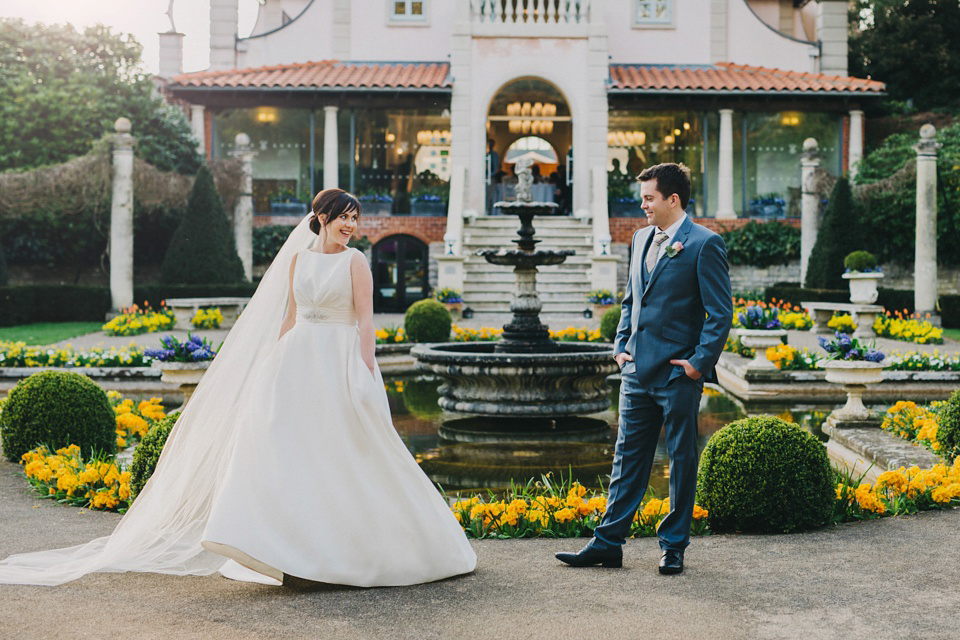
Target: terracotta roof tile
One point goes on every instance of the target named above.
(726, 76)
(325, 74)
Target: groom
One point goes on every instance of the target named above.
(673, 325)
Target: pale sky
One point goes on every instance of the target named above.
(142, 18)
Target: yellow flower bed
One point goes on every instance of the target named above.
(18, 354)
(573, 334)
(63, 476)
(909, 329)
(900, 492)
(787, 358)
(207, 319)
(134, 321)
(391, 335)
(483, 334)
(555, 510)
(842, 322)
(134, 419)
(915, 423)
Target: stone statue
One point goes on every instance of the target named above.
(524, 179)
(173, 27)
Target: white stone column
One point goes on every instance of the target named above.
(224, 16)
(809, 204)
(603, 264)
(171, 54)
(243, 210)
(855, 152)
(331, 166)
(198, 127)
(725, 167)
(925, 257)
(121, 218)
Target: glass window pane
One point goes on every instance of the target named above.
(416, 8)
(640, 139)
(281, 168)
(399, 8)
(774, 144)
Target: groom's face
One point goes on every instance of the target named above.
(660, 211)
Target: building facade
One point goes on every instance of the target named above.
(422, 107)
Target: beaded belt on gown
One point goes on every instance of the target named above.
(312, 315)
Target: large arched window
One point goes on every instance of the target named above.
(399, 273)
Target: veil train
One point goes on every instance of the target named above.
(161, 531)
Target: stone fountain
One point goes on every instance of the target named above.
(525, 386)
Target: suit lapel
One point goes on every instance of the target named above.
(680, 237)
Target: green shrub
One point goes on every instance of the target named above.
(427, 321)
(895, 299)
(950, 311)
(765, 475)
(57, 408)
(609, 323)
(860, 261)
(948, 427)
(202, 250)
(24, 304)
(762, 244)
(3, 267)
(835, 239)
(147, 453)
(420, 398)
(267, 242)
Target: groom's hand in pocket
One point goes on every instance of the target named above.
(622, 358)
(688, 369)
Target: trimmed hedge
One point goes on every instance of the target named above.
(57, 409)
(948, 427)
(52, 303)
(762, 244)
(147, 453)
(762, 474)
(795, 294)
(202, 248)
(427, 321)
(950, 311)
(24, 304)
(609, 323)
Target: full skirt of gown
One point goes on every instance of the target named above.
(320, 486)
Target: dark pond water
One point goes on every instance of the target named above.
(461, 466)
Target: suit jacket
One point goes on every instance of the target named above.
(681, 310)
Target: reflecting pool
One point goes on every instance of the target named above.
(464, 466)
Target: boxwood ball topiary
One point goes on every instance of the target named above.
(765, 475)
(609, 323)
(427, 321)
(57, 408)
(948, 427)
(147, 453)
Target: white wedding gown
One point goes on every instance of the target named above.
(319, 485)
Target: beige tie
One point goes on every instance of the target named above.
(654, 250)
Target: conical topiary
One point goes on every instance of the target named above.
(836, 238)
(202, 250)
(4, 277)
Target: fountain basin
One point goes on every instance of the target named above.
(569, 381)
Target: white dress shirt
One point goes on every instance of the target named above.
(671, 231)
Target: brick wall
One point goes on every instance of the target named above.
(621, 229)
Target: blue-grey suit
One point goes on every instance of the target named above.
(682, 310)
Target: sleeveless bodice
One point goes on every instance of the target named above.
(323, 288)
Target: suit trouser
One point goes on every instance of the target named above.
(642, 412)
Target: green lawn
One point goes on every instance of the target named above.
(951, 334)
(43, 333)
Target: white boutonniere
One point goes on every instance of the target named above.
(674, 249)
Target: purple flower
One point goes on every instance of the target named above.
(874, 356)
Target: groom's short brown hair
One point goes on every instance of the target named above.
(672, 178)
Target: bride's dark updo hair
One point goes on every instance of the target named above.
(332, 202)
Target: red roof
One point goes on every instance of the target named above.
(325, 74)
(726, 77)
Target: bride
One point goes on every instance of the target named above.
(285, 461)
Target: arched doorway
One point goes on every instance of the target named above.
(530, 111)
(399, 273)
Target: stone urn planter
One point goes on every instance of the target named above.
(599, 310)
(185, 374)
(863, 286)
(455, 309)
(854, 375)
(760, 340)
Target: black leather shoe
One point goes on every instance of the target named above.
(588, 556)
(671, 562)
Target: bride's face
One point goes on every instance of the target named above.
(339, 229)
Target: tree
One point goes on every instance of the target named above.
(202, 250)
(911, 45)
(838, 236)
(61, 90)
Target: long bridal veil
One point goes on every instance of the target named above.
(161, 531)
